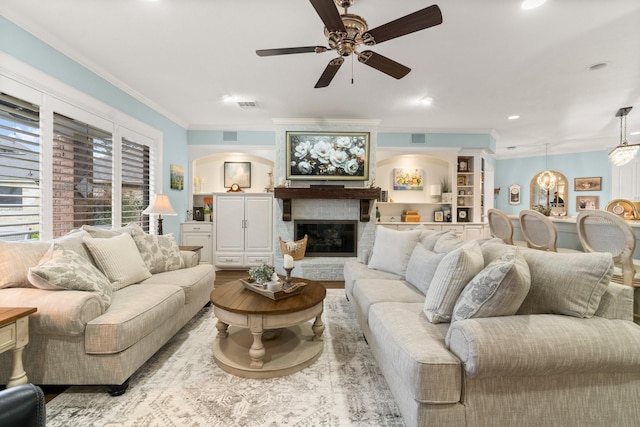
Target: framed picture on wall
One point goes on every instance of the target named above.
(584, 203)
(237, 173)
(176, 176)
(514, 194)
(588, 184)
(438, 216)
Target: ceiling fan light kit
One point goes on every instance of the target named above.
(346, 32)
(624, 152)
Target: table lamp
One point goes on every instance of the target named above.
(160, 206)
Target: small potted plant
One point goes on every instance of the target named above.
(447, 196)
(261, 273)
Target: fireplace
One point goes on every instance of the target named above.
(327, 237)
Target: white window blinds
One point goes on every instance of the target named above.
(19, 169)
(82, 175)
(136, 182)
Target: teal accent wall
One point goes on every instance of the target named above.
(576, 165)
(210, 137)
(29, 49)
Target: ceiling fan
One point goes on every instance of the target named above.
(345, 32)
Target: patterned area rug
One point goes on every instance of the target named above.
(182, 386)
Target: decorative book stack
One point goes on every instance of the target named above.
(409, 215)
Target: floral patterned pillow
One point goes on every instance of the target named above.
(61, 268)
(159, 253)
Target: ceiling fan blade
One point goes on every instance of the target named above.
(329, 14)
(416, 21)
(384, 64)
(329, 72)
(290, 50)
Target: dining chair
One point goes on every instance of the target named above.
(500, 225)
(538, 230)
(602, 231)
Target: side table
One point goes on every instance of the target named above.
(14, 336)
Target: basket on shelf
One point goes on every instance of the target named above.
(296, 248)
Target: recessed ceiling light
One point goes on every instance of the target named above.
(531, 4)
(229, 98)
(635, 133)
(427, 100)
(598, 66)
(514, 117)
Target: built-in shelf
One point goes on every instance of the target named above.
(365, 195)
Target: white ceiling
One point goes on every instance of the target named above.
(488, 60)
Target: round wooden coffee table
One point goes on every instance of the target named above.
(246, 320)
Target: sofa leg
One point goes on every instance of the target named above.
(118, 390)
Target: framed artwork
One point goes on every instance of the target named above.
(438, 216)
(408, 179)
(238, 173)
(463, 165)
(462, 180)
(514, 194)
(327, 156)
(176, 174)
(584, 203)
(588, 184)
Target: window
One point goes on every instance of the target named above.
(19, 169)
(82, 175)
(136, 177)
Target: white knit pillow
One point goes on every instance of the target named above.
(118, 258)
(392, 249)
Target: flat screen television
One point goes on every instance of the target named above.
(328, 156)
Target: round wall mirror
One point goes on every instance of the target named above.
(552, 201)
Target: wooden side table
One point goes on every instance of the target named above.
(14, 336)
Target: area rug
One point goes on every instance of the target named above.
(182, 386)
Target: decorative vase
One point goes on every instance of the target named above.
(447, 197)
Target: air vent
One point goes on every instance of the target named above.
(418, 138)
(247, 104)
(230, 136)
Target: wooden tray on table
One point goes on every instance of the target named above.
(293, 289)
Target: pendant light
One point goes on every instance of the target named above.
(624, 152)
(547, 179)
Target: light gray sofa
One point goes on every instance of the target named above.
(568, 355)
(74, 339)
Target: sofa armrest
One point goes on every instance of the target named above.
(544, 344)
(616, 302)
(190, 258)
(22, 406)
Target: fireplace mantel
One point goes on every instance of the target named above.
(365, 195)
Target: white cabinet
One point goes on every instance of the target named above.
(199, 234)
(243, 229)
(625, 183)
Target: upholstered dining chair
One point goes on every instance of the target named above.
(500, 225)
(602, 231)
(538, 231)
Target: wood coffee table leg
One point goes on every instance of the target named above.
(257, 351)
(222, 329)
(317, 328)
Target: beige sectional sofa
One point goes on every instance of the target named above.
(103, 334)
(528, 338)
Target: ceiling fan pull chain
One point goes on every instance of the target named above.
(351, 69)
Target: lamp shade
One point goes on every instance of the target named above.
(160, 205)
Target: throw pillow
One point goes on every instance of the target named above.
(422, 266)
(498, 290)
(15, 260)
(159, 253)
(118, 258)
(566, 283)
(61, 268)
(392, 249)
(455, 270)
(428, 238)
(448, 242)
